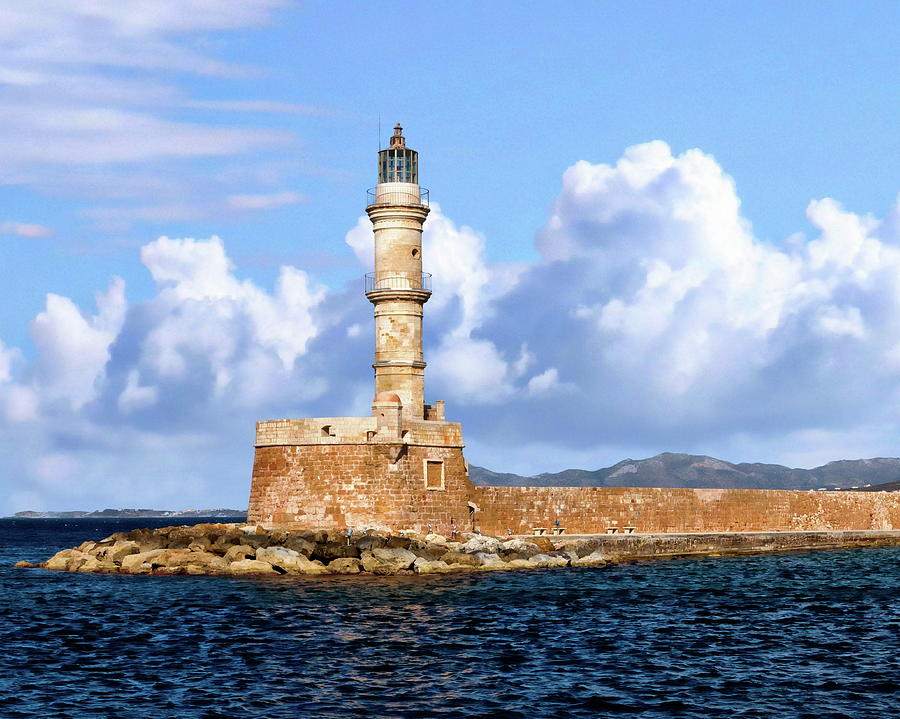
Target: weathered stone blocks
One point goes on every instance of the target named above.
(353, 480)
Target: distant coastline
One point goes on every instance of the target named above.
(133, 513)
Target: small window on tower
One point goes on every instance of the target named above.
(415, 252)
(434, 474)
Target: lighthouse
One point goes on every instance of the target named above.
(402, 466)
(398, 288)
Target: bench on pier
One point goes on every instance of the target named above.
(538, 530)
(625, 530)
(558, 530)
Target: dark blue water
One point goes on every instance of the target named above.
(812, 635)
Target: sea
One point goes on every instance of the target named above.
(812, 635)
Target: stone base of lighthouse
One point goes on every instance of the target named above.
(357, 472)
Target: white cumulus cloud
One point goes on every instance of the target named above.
(655, 301)
(74, 349)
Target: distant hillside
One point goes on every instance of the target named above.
(698, 471)
(136, 513)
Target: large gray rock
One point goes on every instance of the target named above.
(171, 558)
(183, 537)
(335, 547)
(368, 542)
(399, 541)
(250, 566)
(426, 566)
(225, 537)
(289, 561)
(490, 561)
(580, 547)
(277, 556)
(428, 550)
(594, 559)
(522, 547)
(345, 565)
(206, 561)
(120, 550)
(468, 560)
(147, 539)
(240, 551)
(520, 564)
(174, 560)
(200, 544)
(59, 562)
(546, 560)
(93, 564)
(385, 560)
(481, 543)
(140, 563)
(543, 542)
(300, 545)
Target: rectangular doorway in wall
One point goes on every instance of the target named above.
(434, 474)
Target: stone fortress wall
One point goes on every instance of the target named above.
(373, 472)
(591, 510)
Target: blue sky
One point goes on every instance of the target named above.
(724, 285)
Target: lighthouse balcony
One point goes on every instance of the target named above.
(397, 193)
(420, 282)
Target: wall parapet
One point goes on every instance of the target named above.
(355, 430)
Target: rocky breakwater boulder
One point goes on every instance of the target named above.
(248, 550)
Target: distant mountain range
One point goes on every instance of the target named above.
(136, 513)
(698, 471)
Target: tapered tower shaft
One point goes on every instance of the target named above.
(398, 288)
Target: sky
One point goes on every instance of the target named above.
(655, 227)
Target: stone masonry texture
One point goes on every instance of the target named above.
(358, 486)
(595, 509)
(307, 477)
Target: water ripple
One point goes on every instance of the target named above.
(797, 635)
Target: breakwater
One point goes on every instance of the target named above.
(232, 549)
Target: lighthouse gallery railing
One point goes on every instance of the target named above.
(388, 197)
(397, 282)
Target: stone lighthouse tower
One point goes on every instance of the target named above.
(402, 466)
(398, 288)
